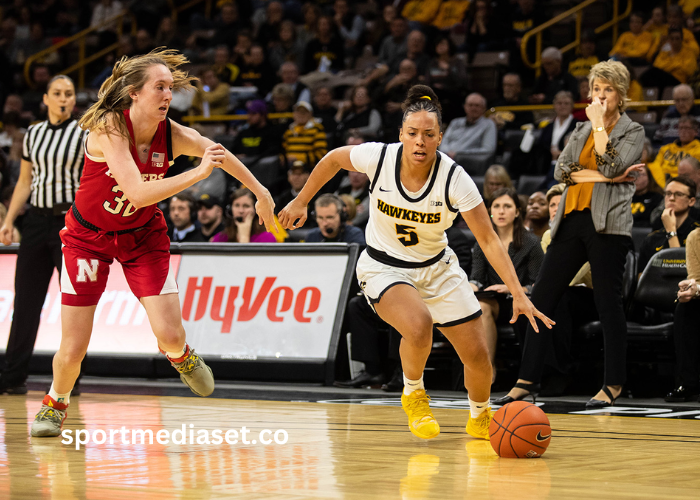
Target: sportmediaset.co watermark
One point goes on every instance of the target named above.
(181, 436)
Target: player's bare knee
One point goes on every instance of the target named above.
(70, 356)
(420, 333)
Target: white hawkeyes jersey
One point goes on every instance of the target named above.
(410, 227)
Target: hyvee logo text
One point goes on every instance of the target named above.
(280, 299)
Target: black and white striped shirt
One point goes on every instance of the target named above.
(56, 154)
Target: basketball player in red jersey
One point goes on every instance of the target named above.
(127, 152)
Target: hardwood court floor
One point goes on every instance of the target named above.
(334, 451)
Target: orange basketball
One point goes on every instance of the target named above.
(520, 430)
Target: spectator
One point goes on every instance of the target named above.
(524, 251)
(473, 134)
(415, 51)
(227, 26)
(671, 67)
(647, 196)
(12, 136)
(103, 11)
(656, 25)
(36, 43)
(256, 71)
(550, 144)
(486, 31)
(257, 138)
(305, 139)
(330, 215)
(288, 49)
(268, 32)
(636, 46)
(682, 105)
(393, 95)
(676, 20)
(358, 189)
(325, 49)
(512, 96)
(358, 116)
(553, 79)
(306, 32)
(241, 49)
(210, 214)
(584, 92)
(581, 66)
(379, 27)
(14, 103)
(677, 221)
(688, 167)
(167, 35)
(143, 42)
(289, 74)
(282, 102)
(686, 326)
(395, 43)
(496, 177)
(183, 214)
(34, 98)
(598, 166)
(447, 76)
(212, 95)
(243, 226)
(537, 214)
(324, 109)
(666, 162)
(297, 175)
(226, 71)
(349, 25)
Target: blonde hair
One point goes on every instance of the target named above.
(130, 74)
(616, 74)
(498, 173)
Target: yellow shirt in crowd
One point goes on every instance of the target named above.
(668, 158)
(581, 66)
(639, 46)
(682, 65)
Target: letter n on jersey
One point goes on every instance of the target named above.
(86, 270)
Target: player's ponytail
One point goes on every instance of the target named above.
(421, 98)
(129, 75)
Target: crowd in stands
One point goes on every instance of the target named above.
(338, 71)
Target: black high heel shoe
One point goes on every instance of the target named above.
(597, 403)
(532, 390)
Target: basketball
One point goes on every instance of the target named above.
(520, 430)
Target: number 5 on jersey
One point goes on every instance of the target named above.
(119, 200)
(408, 236)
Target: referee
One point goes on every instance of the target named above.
(52, 162)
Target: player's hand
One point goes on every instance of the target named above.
(627, 175)
(522, 305)
(291, 213)
(6, 232)
(265, 208)
(214, 157)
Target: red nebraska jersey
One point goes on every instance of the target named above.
(100, 200)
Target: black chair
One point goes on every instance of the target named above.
(297, 235)
(528, 184)
(650, 129)
(474, 164)
(638, 235)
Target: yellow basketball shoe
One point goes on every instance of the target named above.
(479, 427)
(421, 421)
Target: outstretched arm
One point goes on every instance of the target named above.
(187, 141)
(115, 149)
(322, 173)
(479, 222)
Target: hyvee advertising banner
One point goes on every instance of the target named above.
(121, 324)
(261, 306)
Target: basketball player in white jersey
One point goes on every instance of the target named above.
(408, 273)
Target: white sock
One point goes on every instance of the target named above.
(476, 409)
(412, 385)
(59, 398)
(177, 354)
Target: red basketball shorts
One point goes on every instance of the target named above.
(144, 255)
